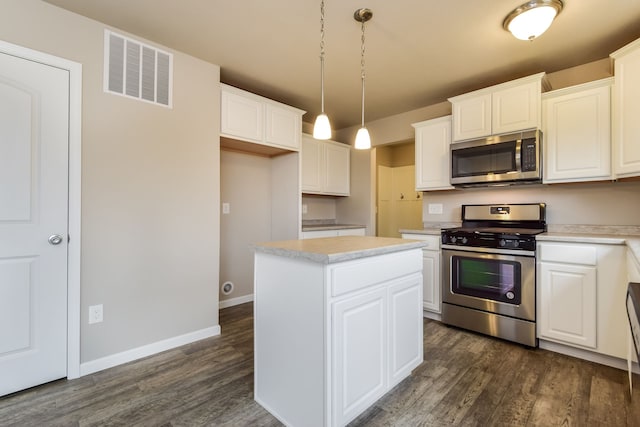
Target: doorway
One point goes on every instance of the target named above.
(399, 205)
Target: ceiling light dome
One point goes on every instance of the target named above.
(533, 18)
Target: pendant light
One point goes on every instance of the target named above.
(363, 140)
(530, 20)
(322, 127)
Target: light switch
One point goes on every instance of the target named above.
(304, 208)
(226, 208)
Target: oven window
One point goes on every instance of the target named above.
(493, 158)
(494, 279)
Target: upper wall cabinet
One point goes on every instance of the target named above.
(626, 111)
(433, 164)
(325, 167)
(252, 118)
(577, 133)
(508, 107)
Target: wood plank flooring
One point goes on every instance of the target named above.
(466, 380)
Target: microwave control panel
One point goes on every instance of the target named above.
(529, 156)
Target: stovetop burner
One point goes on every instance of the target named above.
(498, 226)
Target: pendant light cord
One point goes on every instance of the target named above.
(322, 56)
(362, 75)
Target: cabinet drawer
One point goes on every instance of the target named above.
(362, 273)
(567, 253)
(433, 241)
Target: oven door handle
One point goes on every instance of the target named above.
(489, 250)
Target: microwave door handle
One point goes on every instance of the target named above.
(518, 155)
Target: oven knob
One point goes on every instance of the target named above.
(453, 239)
(502, 242)
(464, 240)
(516, 243)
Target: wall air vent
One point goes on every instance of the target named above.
(137, 70)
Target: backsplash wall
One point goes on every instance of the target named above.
(616, 203)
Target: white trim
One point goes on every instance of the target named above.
(146, 350)
(75, 185)
(235, 301)
(591, 356)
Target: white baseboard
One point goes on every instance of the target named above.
(602, 359)
(146, 350)
(431, 315)
(235, 301)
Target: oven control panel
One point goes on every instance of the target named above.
(480, 240)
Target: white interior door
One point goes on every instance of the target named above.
(34, 138)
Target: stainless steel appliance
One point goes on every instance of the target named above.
(498, 160)
(489, 270)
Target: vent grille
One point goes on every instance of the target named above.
(136, 70)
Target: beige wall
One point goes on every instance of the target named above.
(150, 190)
(246, 186)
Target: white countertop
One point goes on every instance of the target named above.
(330, 250)
(320, 227)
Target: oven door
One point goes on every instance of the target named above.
(491, 282)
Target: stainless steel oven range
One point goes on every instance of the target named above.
(489, 270)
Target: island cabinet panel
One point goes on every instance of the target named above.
(331, 338)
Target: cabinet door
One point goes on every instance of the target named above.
(359, 359)
(472, 117)
(241, 117)
(577, 136)
(433, 164)
(431, 281)
(626, 110)
(312, 165)
(337, 159)
(405, 327)
(283, 127)
(516, 108)
(567, 304)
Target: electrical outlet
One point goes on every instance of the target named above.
(304, 208)
(95, 313)
(226, 208)
(435, 208)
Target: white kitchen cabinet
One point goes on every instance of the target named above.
(577, 133)
(252, 118)
(431, 283)
(360, 360)
(626, 110)
(325, 167)
(433, 156)
(315, 234)
(508, 107)
(581, 296)
(332, 338)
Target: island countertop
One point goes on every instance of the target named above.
(329, 250)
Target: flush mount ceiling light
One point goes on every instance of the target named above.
(530, 20)
(363, 140)
(322, 127)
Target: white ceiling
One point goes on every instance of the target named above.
(418, 52)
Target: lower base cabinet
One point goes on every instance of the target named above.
(431, 260)
(581, 296)
(331, 339)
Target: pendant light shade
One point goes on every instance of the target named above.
(530, 20)
(363, 140)
(322, 127)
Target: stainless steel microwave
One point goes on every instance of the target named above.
(504, 159)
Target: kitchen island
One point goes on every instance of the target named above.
(338, 323)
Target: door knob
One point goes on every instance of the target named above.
(55, 239)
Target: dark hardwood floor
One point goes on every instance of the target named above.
(466, 379)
